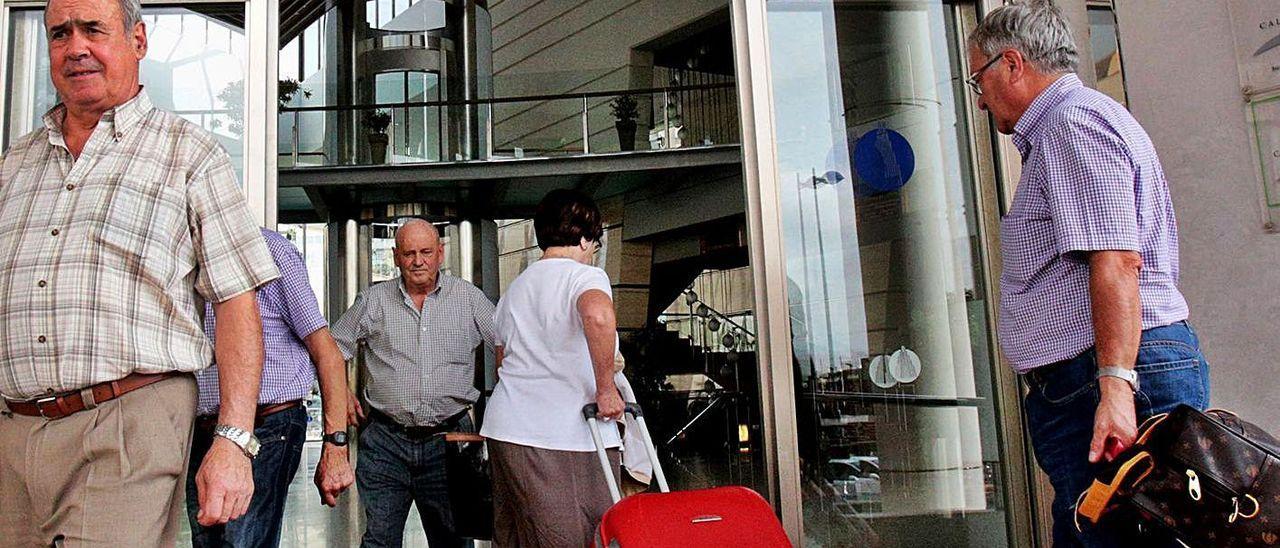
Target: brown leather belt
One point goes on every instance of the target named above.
(207, 422)
(63, 405)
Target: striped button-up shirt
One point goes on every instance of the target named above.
(289, 314)
(419, 365)
(1091, 181)
(106, 259)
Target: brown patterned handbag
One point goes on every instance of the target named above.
(1204, 478)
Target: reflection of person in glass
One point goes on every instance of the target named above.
(120, 221)
(829, 520)
(1091, 314)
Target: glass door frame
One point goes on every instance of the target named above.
(768, 259)
(262, 34)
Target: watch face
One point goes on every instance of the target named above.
(336, 438)
(252, 446)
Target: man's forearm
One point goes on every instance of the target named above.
(239, 354)
(331, 368)
(1117, 308)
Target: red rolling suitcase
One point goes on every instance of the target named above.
(721, 516)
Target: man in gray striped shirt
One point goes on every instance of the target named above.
(418, 334)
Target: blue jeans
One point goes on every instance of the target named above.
(282, 436)
(1060, 409)
(393, 471)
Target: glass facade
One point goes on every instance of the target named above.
(880, 176)
(888, 310)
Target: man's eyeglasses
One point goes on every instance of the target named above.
(972, 80)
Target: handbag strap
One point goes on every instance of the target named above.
(1094, 501)
(1148, 426)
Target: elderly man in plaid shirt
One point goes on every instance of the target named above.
(1090, 311)
(117, 222)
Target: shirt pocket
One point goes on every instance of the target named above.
(143, 229)
(1027, 245)
(459, 343)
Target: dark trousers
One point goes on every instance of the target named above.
(1060, 411)
(396, 469)
(282, 436)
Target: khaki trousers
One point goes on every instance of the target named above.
(109, 476)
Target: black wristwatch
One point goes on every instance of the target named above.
(337, 438)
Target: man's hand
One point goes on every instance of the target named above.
(610, 404)
(355, 413)
(333, 474)
(224, 483)
(1115, 424)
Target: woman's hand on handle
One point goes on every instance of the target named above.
(610, 404)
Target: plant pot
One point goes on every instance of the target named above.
(378, 147)
(626, 134)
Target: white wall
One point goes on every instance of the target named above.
(1184, 87)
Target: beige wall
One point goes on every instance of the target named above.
(1185, 89)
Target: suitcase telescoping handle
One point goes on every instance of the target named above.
(592, 413)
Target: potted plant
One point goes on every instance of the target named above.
(286, 89)
(377, 121)
(624, 111)
(232, 97)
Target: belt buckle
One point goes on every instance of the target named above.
(39, 403)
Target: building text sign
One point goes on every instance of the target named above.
(1266, 128)
(1257, 35)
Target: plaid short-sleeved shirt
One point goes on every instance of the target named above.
(419, 364)
(106, 259)
(1091, 181)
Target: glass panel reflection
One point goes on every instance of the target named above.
(1104, 41)
(887, 307)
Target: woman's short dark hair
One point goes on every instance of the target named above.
(565, 217)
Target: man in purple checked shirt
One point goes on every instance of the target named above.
(298, 346)
(1090, 312)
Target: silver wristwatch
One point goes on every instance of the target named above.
(244, 440)
(1123, 373)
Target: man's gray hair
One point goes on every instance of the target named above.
(130, 13)
(1036, 28)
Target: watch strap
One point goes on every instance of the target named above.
(242, 438)
(1126, 374)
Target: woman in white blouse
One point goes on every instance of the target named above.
(557, 332)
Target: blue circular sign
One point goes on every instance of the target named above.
(883, 160)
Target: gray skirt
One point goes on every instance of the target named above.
(543, 498)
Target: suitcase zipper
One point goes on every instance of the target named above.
(1196, 489)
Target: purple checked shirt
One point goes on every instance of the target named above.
(289, 313)
(1091, 181)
